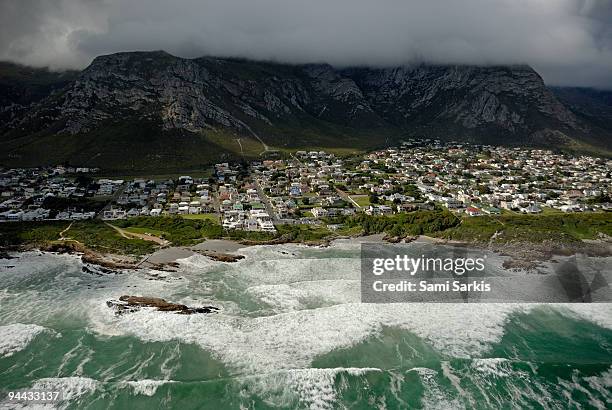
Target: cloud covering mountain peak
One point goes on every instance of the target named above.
(568, 41)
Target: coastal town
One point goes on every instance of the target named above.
(311, 187)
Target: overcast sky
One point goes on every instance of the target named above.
(568, 41)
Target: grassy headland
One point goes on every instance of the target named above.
(561, 228)
(567, 230)
(94, 235)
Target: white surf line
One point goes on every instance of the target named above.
(271, 343)
(16, 337)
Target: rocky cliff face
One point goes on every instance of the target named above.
(507, 104)
(593, 106)
(22, 88)
(507, 98)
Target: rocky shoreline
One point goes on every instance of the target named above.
(521, 256)
(113, 263)
(529, 256)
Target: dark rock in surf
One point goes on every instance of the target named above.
(130, 304)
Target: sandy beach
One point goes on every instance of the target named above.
(171, 254)
(218, 245)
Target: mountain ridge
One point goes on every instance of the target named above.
(217, 101)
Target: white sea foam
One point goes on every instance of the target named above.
(147, 387)
(598, 313)
(336, 290)
(280, 297)
(200, 262)
(496, 366)
(433, 396)
(303, 295)
(286, 270)
(33, 262)
(16, 337)
(308, 388)
(13, 405)
(315, 387)
(454, 379)
(600, 385)
(282, 251)
(292, 283)
(293, 338)
(71, 387)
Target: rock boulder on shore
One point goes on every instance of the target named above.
(221, 257)
(129, 304)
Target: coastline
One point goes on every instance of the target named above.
(212, 248)
(166, 258)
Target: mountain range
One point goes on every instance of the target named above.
(153, 111)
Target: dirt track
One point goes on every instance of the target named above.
(130, 235)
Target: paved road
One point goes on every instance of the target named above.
(296, 158)
(216, 203)
(114, 197)
(266, 201)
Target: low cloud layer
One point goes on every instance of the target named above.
(568, 41)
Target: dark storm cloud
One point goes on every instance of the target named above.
(568, 41)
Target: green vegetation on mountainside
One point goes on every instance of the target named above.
(125, 148)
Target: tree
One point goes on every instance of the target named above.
(484, 189)
(412, 190)
(600, 199)
(83, 181)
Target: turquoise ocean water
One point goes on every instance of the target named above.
(291, 333)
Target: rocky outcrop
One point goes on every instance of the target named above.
(130, 304)
(6, 255)
(62, 247)
(398, 239)
(106, 262)
(221, 257)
